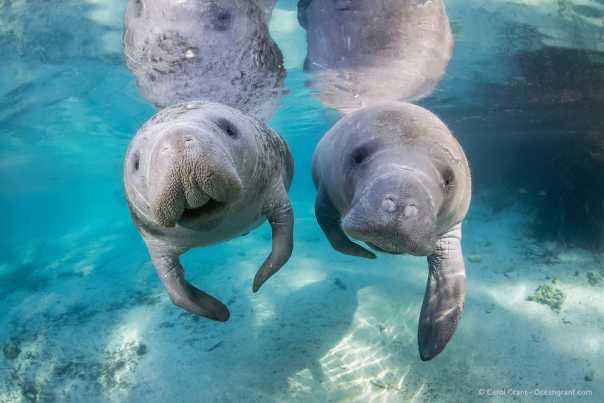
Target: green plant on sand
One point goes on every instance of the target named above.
(595, 278)
(548, 295)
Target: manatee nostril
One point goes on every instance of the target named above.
(389, 205)
(138, 8)
(410, 211)
(188, 139)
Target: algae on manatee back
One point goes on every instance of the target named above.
(548, 295)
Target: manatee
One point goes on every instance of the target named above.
(362, 53)
(201, 173)
(267, 6)
(218, 51)
(395, 178)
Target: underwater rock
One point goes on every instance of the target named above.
(589, 376)
(11, 351)
(141, 349)
(595, 278)
(115, 371)
(362, 53)
(340, 284)
(548, 295)
(29, 390)
(204, 50)
(202, 173)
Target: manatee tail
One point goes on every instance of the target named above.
(444, 298)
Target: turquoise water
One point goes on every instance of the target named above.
(84, 318)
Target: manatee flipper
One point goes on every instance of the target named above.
(328, 218)
(281, 219)
(444, 297)
(181, 292)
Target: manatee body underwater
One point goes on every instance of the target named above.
(204, 50)
(361, 53)
(394, 177)
(201, 173)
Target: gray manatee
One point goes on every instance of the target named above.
(394, 177)
(201, 173)
(267, 6)
(219, 51)
(363, 52)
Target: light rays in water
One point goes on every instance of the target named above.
(121, 350)
(366, 365)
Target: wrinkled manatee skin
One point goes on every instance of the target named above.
(204, 50)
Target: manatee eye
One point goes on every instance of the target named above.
(136, 161)
(228, 128)
(364, 151)
(222, 19)
(359, 155)
(448, 179)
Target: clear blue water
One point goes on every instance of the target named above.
(82, 314)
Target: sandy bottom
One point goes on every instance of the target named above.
(96, 326)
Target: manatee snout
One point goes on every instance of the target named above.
(191, 178)
(394, 214)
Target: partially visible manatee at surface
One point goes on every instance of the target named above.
(362, 53)
(218, 51)
(201, 173)
(267, 6)
(394, 177)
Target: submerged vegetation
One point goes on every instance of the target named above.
(596, 278)
(549, 295)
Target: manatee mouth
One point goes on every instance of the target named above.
(210, 210)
